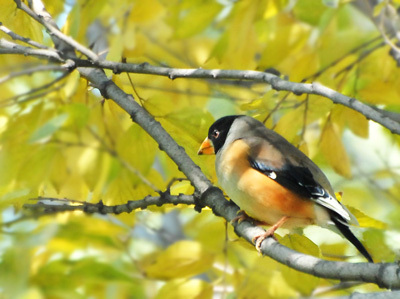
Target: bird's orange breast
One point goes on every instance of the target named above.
(258, 195)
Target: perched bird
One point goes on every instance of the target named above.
(272, 181)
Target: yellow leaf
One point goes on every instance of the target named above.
(357, 122)
(333, 251)
(304, 283)
(183, 187)
(16, 197)
(378, 248)
(181, 259)
(121, 189)
(20, 22)
(334, 151)
(59, 171)
(37, 167)
(288, 39)
(254, 285)
(145, 11)
(378, 8)
(185, 288)
(197, 18)
(137, 148)
(301, 244)
(290, 124)
(32, 293)
(90, 164)
(366, 221)
(309, 11)
(231, 49)
(208, 230)
(74, 188)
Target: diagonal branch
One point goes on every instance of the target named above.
(26, 40)
(40, 14)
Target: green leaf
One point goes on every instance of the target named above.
(49, 128)
(181, 259)
(184, 288)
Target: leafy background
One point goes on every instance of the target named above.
(68, 142)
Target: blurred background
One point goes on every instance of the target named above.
(60, 139)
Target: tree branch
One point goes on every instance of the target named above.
(7, 47)
(216, 74)
(26, 40)
(49, 205)
(276, 83)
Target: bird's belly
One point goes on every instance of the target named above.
(264, 199)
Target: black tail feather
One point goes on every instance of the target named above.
(345, 230)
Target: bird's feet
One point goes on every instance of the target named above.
(258, 239)
(241, 215)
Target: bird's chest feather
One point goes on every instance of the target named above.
(258, 195)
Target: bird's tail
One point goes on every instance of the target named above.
(345, 230)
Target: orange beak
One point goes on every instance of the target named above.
(206, 148)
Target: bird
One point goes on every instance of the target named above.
(272, 181)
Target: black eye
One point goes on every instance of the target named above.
(215, 134)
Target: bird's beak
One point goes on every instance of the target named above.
(206, 148)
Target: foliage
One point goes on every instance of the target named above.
(66, 141)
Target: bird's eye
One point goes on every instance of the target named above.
(215, 134)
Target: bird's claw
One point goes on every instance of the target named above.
(258, 239)
(241, 216)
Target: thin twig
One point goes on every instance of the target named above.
(32, 97)
(45, 19)
(57, 205)
(30, 71)
(276, 83)
(8, 47)
(26, 40)
(335, 62)
(32, 92)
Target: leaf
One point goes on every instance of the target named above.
(16, 197)
(356, 122)
(183, 187)
(196, 18)
(145, 11)
(185, 288)
(254, 285)
(366, 221)
(78, 114)
(290, 124)
(94, 270)
(49, 128)
(137, 148)
(334, 151)
(304, 283)
(181, 259)
(309, 11)
(376, 240)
